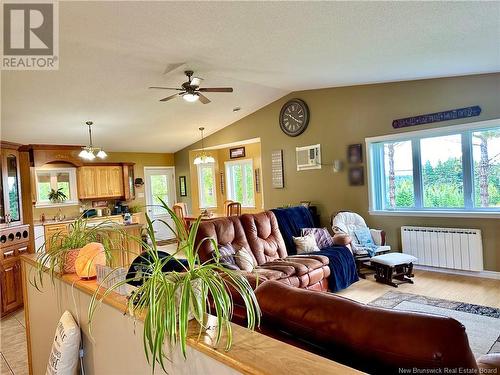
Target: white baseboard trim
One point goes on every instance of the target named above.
(483, 274)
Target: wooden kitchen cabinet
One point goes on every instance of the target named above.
(95, 182)
(54, 232)
(14, 241)
(10, 280)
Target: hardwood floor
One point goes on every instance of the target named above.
(461, 288)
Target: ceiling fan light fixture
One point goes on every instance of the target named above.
(190, 97)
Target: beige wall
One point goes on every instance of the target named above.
(346, 115)
(252, 151)
(141, 160)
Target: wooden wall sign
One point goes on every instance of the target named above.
(437, 117)
(277, 169)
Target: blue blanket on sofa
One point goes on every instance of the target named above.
(342, 266)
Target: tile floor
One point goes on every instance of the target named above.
(13, 352)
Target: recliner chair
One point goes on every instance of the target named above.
(346, 222)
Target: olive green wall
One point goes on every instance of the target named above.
(346, 115)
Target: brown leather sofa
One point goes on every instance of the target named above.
(370, 339)
(260, 234)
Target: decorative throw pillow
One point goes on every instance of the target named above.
(65, 348)
(227, 253)
(245, 260)
(364, 237)
(321, 235)
(305, 244)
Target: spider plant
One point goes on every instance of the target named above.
(51, 256)
(57, 196)
(168, 300)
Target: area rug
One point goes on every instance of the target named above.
(481, 323)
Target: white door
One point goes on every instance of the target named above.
(159, 183)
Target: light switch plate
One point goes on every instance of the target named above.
(140, 195)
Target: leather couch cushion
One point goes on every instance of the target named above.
(372, 339)
(263, 236)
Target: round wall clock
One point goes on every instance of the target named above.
(294, 117)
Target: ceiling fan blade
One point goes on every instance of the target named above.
(216, 89)
(203, 99)
(195, 81)
(170, 97)
(164, 88)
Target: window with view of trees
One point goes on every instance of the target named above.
(57, 178)
(206, 185)
(455, 171)
(240, 187)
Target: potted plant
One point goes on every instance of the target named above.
(57, 196)
(59, 252)
(169, 300)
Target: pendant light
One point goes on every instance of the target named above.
(202, 157)
(90, 152)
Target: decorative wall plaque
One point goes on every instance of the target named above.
(277, 169)
(437, 117)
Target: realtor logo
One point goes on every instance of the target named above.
(30, 36)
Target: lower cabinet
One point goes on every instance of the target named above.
(14, 242)
(10, 281)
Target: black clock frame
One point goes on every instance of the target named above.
(305, 108)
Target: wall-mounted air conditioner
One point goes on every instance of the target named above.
(308, 157)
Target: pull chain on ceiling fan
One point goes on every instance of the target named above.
(191, 91)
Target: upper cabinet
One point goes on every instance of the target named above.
(128, 182)
(100, 182)
(10, 187)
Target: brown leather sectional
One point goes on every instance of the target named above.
(260, 234)
(370, 339)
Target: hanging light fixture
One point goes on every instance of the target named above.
(90, 152)
(202, 157)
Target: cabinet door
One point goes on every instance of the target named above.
(10, 281)
(87, 182)
(53, 232)
(116, 181)
(128, 182)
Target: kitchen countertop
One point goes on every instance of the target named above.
(70, 220)
(252, 352)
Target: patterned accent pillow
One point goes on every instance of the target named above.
(305, 244)
(245, 260)
(321, 235)
(227, 256)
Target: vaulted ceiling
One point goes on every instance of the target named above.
(111, 52)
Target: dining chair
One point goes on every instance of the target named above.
(180, 210)
(233, 209)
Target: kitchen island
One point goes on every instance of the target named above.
(125, 247)
(116, 346)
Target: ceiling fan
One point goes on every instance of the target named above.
(191, 91)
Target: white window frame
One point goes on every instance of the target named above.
(72, 199)
(229, 179)
(202, 204)
(374, 191)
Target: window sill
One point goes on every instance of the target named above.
(52, 205)
(443, 213)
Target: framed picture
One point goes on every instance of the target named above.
(356, 176)
(237, 152)
(355, 154)
(182, 186)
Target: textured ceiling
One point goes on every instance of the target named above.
(111, 52)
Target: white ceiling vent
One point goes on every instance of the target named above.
(308, 157)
